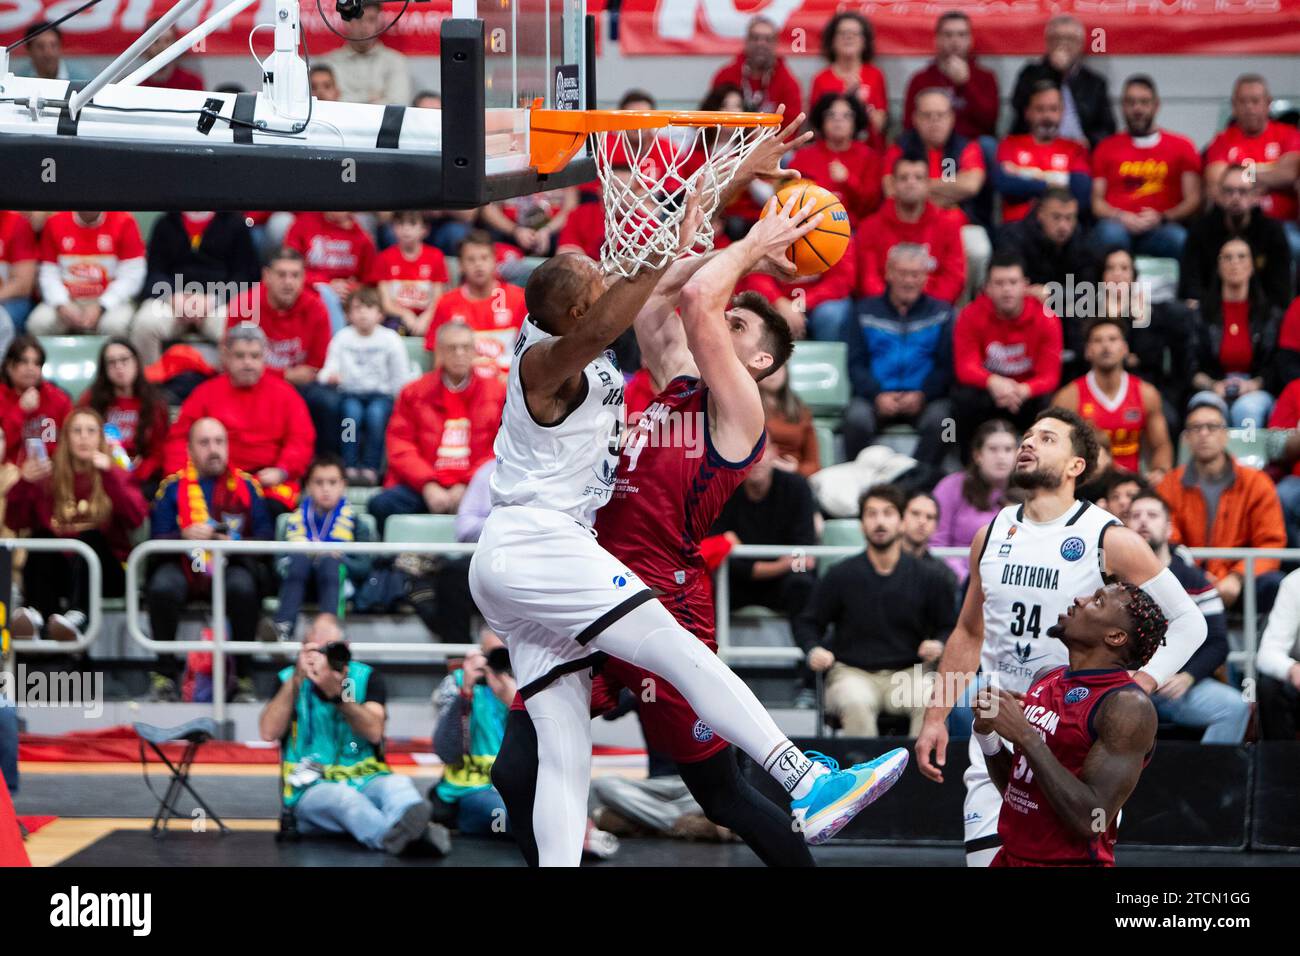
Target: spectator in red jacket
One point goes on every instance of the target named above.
(82, 493)
(910, 217)
(339, 253)
(1028, 164)
(493, 310)
(973, 89)
(92, 266)
(133, 410)
(849, 46)
(30, 407)
(1006, 352)
(813, 306)
(764, 80)
(270, 429)
(172, 76)
(837, 160)
(1146, 180)
(1270, 147)
(17, 272)
(442, 428)
(297, 329)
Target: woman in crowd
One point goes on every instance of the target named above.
(837, 160)
(849, 46)
(789, 425)
(30, 407)
(82, 493)
(1237, 355)
(971, 498)
(133, 410)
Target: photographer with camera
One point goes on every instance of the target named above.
(328, 715)
(472, 703)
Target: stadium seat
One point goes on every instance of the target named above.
(421, 358)
(819, 374)
(1161, 274)
(71, 360)
(364, 521)
(359, 496)
(1252, 447)
(840, 533)
(827, 453)
(421, 529)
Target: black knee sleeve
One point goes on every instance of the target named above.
(514, 774)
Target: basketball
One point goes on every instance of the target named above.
(823, 247)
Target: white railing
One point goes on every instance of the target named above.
(95, 600)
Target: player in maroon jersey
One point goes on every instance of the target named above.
(1081, 735)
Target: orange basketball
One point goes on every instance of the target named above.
(825, 245)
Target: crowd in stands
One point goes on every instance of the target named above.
(996, 269)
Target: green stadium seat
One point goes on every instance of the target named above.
(365, 522)
(840, 533)
(421, 529)
(1252, 447)
(359, 496)
(826, 452)
(71, 360)
(1161, 274)
(819, 374)
(421, 358)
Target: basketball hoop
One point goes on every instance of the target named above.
(647, 161)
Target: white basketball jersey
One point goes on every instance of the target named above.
(1030, 574)
(568, 466)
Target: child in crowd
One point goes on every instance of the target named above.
(324, 515)
(410, 275)
(369, 365)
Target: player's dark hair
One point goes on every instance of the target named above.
(1102, 320)
(1083, 441)
(553, 287)
(777, 339)
(476, 237)
(326, 460)
(828, 100)
(1147, 625)
(868, 36)
(892, 494)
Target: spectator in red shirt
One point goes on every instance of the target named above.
(1029, 163)
(92, 266)
(171, 76)
(584, 231)
(1146, 181)
(493, 310)
(531, 223)
(411, 275)
(972, 89)
(133, 410)
(837, 160)
(958, 173)
(1238, 339)
(910, 217)
(297, 330)
(765, 81)
(441, 430)
(339, 256)
(270, 429)
(1286, 414)
(849, 46)
(1006, 352)
(17, 273)
(30, 407)
(1271, 148)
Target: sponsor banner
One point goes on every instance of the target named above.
(906, 27)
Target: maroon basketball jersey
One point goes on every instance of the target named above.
(1061, 706)
(670, 487)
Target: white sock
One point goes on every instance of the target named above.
(792, 769)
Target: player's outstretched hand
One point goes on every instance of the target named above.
(932, 750)
(772, 236)
(765, 160)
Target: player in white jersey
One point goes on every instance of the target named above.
(542, 581)
(1026, 567)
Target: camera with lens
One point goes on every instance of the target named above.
(498, 660)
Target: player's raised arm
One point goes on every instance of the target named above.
(710, 328)
(659, 332)
(961, 658)
(1131, 559)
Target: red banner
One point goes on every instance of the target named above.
(1131, 27)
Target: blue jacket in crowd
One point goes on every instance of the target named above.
(889, 352)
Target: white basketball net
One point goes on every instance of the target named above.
(644, 205)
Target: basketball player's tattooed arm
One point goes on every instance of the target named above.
(961, 658)
(1126, 556)
(735, 406)
(1125, 725)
